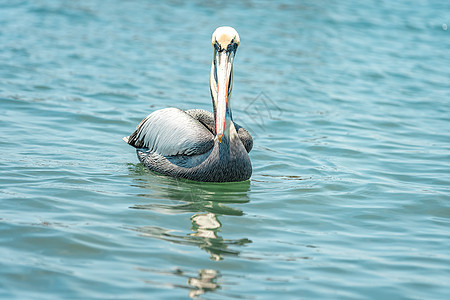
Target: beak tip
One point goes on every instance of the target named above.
(219, 136)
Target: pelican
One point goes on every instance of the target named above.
(196, 144)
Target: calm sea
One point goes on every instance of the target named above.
(349, 106)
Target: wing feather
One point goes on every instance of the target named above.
(205, 117)
(171, 131)
(245, 137)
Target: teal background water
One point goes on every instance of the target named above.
(349, 106)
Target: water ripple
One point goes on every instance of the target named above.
(348, 104)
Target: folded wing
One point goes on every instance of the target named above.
(172, 131)
(207, 119)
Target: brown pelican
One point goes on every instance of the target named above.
(197, 144)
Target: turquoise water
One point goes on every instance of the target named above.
(349, 106)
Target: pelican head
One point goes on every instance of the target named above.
(225, 41)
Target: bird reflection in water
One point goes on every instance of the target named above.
(207, 202)
(206, 282)
(206, 226)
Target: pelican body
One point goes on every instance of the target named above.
(197, 144)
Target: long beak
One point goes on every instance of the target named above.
(223, 65)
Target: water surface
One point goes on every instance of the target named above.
(348, 104)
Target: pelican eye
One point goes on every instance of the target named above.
(232, 46)
(217, 46)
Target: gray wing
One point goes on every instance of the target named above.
(170, 132)
(245, 137)
(207, 119)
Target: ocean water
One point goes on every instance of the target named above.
(349, 106)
